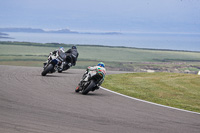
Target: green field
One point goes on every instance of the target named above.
(116, 58)
(171, 89)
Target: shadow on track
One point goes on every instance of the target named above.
(90, 94)
(51, 76)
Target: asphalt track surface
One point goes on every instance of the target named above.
(30, 103)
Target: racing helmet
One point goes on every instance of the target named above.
(101, 64)
(74, 47)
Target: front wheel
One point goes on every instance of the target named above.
(47, 69)
(89, 87)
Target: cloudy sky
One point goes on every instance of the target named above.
(103, 15)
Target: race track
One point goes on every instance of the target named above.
(30, 103)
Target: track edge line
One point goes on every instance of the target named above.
(149, 102)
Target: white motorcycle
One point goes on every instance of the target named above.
(54, 63)
(90, 81)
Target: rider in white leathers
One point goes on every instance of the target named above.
(100, 67)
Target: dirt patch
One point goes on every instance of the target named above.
(174, 67)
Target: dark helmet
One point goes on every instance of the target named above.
(74, 47)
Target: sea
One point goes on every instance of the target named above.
(166, 41)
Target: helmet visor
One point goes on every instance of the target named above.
(101, 65)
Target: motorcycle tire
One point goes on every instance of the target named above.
(66, 67)
(89, 88)
(47, 69)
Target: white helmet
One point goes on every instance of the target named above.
(62, 49)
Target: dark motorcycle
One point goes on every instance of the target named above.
(90, 81)
(55, 63)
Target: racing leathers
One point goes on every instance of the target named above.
(73, 54)
(97, 68)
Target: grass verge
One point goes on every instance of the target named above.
(171, 89)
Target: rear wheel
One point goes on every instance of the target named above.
(66, 67)
(47, 69)
(89, 87)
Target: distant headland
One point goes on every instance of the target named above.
(5, 36)
(37, 30)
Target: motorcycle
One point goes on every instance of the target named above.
(90, 81)
(56, 63)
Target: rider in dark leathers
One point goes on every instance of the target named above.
(72, 55)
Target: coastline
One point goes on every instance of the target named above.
(164, 42)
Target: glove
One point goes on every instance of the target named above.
(88, 69)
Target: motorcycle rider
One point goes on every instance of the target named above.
(100, 67)
(72, 55)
